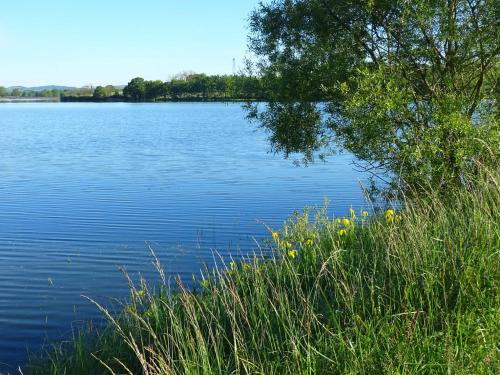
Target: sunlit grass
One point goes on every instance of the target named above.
(397, 292)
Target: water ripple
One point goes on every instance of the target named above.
(84, 186)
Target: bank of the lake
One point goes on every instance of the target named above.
(123, 99)
(409, 291)
(15, 99)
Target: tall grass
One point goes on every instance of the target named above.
(413, 291)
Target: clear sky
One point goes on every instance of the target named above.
(82, 42)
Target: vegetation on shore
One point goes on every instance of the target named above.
(193, 86)
(55, 92)
(182, 87)
(410, 291)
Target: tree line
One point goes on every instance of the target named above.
(23, 93)
(20, 92)
(196, 87)
(185, 86)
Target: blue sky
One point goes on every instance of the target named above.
(100, 42)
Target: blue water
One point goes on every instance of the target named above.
(84, 187)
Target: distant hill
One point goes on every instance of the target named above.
(51, 87)
(41, 88)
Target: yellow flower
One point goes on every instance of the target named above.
(352, 213)
(346, 221)
(364, 213)
(246, 266)
(389, 215)
(338, 221)
(205, 283)
(288, 244)
(275, 235)
(232, 265)
(292, 253)
(308, 242)
(140, 293)
(342, 232)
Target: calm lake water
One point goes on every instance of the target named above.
(84, 187)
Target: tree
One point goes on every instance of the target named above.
(177, 88)
(99, 93)
(136, 89)
(409, 87)
(153, 89)
(3, 91)
(110, 90)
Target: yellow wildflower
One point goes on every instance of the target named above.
(342, 232)
(337, 220)
(346, 221)
(292, 253)
(364, 213)
(288, 244)
(275, 235)
(205, 283)
(308, 242)
(352, 213)
(232, 265)
(246, 266)
(389, 215)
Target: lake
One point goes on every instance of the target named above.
(84, 188)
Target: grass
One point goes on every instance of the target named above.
(413, 291)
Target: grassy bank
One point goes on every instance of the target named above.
(412, 291)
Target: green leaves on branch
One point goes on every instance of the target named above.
(409, 87)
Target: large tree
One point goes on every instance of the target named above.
(409, 87)
(135, 89)
(99, 93)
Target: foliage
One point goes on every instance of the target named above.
(406, 291)
(195, 86)
(410, 87)
(99, 92)
(136, 89)
(53, 93)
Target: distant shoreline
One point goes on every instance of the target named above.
(29, 100)
(90, 99)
